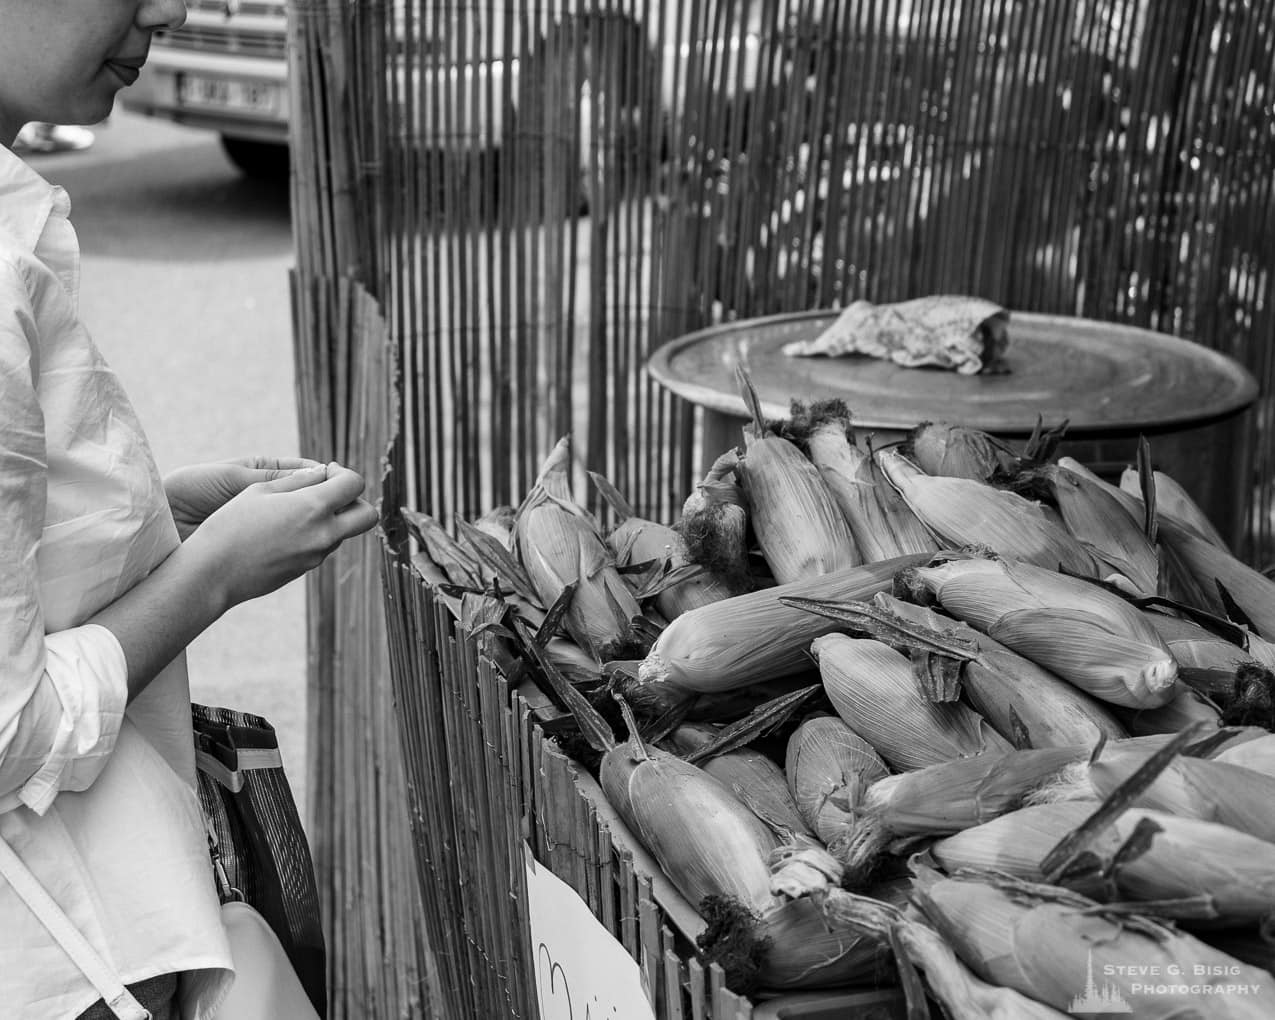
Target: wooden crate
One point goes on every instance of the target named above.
(485, 777)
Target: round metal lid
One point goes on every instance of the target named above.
(1100, 376)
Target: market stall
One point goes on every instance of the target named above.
(521, 244)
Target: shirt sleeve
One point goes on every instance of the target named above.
(62, 695)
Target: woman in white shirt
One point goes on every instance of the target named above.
(106, 574)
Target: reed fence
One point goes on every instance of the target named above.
(525, 199)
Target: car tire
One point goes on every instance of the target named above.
(264, 161)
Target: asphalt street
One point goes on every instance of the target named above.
(185, 290)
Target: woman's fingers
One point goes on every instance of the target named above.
(342, 486)
(276, 464)
(291, 481)
(356, 518)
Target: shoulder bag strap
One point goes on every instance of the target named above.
(100, 974)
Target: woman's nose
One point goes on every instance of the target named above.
(156, 14)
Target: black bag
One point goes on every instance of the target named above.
(262, 849)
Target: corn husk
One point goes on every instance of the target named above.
(637, 540)
(963, 995)
(828, 768)
(1177, 579)
(1025, 703)
(1183, 858)
(1186, 708)
(1104, 527)
(875, 692)
(1251, 590)
(881, 531)
(1088, 636)
(797, 524)
(754, 637)
(908, 532)
(559, 545)
(963, 513)
(956, 795)
(714, 524)
(498, 522)
(460, 568)
(706, 841)
(1258, 755)
(1173, 500)
(752, 777)
(956, 451)
(1207, 789)
(1206, 662)
(572, 661)
(837, 938)
(946, 798)
(1130, 501)
(1059, 948)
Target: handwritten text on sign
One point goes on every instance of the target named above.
(582, 972)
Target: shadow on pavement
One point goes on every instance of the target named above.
(172, 193)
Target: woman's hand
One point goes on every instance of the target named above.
(198, 491)
(274, 531)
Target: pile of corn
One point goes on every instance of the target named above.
(1009, 720)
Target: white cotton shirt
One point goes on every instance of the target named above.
(97, 797)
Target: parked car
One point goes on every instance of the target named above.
(226, 70)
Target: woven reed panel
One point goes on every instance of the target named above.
(537, 195)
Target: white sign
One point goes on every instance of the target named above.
(582, 972)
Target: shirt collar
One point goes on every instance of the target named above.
(27, 201)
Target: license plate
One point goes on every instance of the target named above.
(260, 97)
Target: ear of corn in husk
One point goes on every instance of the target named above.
(754, 637)
(875, 692)
(947, 798)
(1172, 500)
(962, 512)
(908, 532)
(1130, 501)
(1177, 578)
(1251, 590)
(1206, 661)
(714, 525)
(882, 529)
(956, 451)
(1053, 946)
(1143, 856)
(1210, 790)
(636, 540)
(962, 994)
(798, 526)
(752, 777)
(1101, 524)
(1025, 703)
(819, 941)
(559, 545)
(706, 841)
(828, 768)
(1088, 636)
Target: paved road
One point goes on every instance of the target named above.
(185, 289)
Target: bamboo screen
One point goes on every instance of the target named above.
(536, 195)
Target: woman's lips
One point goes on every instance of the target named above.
(126, 72)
